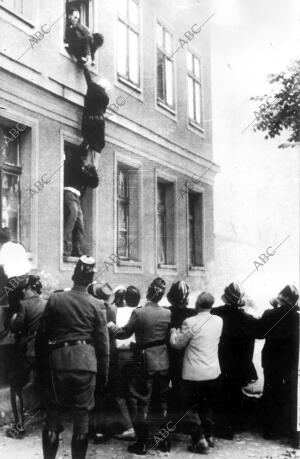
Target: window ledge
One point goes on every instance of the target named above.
(196, 268)
(18, 16)
(128, 83)
(129, 263)
(162, 105)
(194, 127)
(171, 267)
(71, 259)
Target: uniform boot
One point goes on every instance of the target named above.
(164, 443)
(142, 435)
(50, 440)
(79, 446)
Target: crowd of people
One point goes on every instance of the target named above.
(121, 368)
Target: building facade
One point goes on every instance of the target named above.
(152, 214)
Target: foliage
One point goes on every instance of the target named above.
(281, 111)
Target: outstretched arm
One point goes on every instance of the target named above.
(88, 77)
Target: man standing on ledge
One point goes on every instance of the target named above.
(72, 346)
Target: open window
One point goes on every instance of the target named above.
(83, 6)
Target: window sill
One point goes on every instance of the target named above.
(194, 127)
(136, 264)
(70, 259)
(165, 110)
(128, 83)
(196, 270)
(18, 16)
(170, 267)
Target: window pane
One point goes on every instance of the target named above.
(133, 57)
(168, 43)
(190, 61)
(10, 149)
(190, 98)
(197, 103)
(122, 7)
(122, 183)
(197, 67)
(122, 244)
(169, 82)
(133, 13)
(159, 31)
(161, 239)
(122, 49)
(10, 203)
(122, 216)
(160, 75)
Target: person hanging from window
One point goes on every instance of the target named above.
(78, 175)
(95, 104)
(24, 324)
(79, 41)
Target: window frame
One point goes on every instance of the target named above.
(89, 4)
(19, 19)
(194, 266)
(125, 79)
(162, 103)
(122, 265)
(168, 179)
(196, 189)
(192, 123)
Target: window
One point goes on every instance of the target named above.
(165, 67)
(83, 6)
(195, 203)
(23, 8)
(194, 90)
(10, 172)
(128, 49)
(127, 213)
(165, 223)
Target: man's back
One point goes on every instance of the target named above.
(201, 354)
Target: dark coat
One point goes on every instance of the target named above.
(78, 37)
(151, 324)
(93, 123)
(70, 316)
(280, 328)
(77, 175)
(237, 342)
(27, 323)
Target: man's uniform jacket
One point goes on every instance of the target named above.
(68, 317)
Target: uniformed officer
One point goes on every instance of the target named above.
(151, 324)
(24, 324)
(280, 328)
(74, 336)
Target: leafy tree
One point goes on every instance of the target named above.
(281, 111)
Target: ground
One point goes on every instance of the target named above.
(245, 445)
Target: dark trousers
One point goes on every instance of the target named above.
(279, 401)
(141, 388)
(83, 46)
(73, 224)
(201, 397)
(71, 391)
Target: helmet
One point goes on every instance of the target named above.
(178, 293)
(233, 294)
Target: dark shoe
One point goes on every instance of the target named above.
(201, 447)
(15, 432)
(210, 441)
(138, 448)
(164, 445)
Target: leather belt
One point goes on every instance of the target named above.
(55, 345)
(152, 344)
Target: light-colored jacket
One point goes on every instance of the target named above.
(200, 335)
